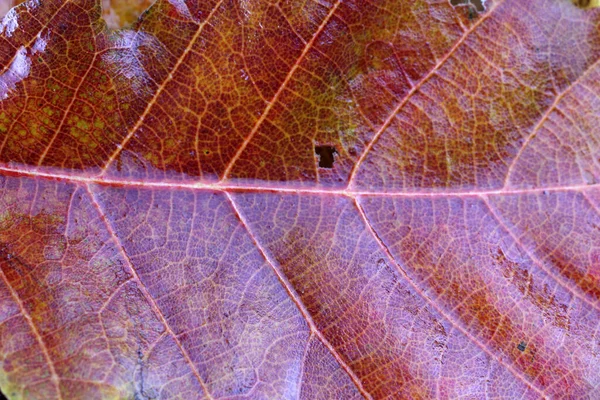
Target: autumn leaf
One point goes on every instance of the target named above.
(314, 200)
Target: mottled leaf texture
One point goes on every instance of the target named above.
(320, 199)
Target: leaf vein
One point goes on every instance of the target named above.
(144, 290)
(545, 117)
(297, 301)
(269, 106)
(412, 91)
(517, 374)
(54, 376)
(160, 89)
(561, 281)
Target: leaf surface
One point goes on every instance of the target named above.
(253, 199)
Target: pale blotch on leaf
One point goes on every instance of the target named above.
(6, 5)
(123, 13)
(478, 5)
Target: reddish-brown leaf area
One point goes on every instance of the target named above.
(299, 199)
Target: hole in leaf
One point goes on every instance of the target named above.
(478, 4)
(522, 346)
(326, 156)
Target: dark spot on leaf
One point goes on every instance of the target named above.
(522, 346)
(326, 156)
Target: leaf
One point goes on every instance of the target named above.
(390, 199)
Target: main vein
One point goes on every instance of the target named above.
(262, 186)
